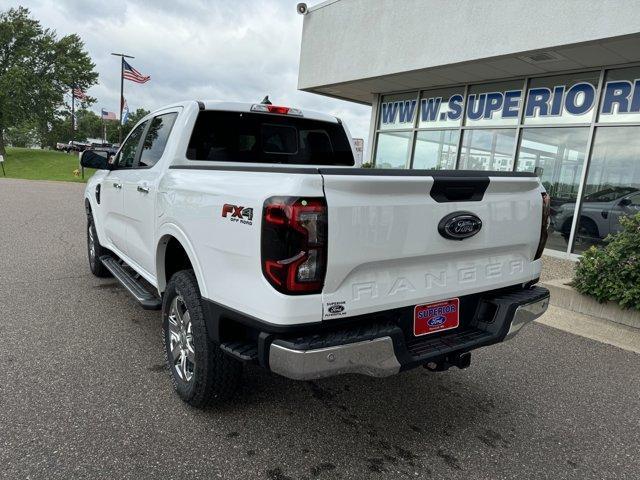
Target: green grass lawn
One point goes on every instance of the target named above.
(34, 164)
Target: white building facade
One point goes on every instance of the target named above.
(546, 86)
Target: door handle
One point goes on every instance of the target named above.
(117, 185)
(143, 189)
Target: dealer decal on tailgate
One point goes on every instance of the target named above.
(436, 317)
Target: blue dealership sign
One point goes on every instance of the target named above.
(559, 104)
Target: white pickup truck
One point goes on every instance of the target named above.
(261, 241)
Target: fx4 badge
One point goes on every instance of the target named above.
(459, 225)
(238, 214)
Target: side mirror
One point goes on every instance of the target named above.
(625, 202)
(95, 159)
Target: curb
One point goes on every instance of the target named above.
(565, 296)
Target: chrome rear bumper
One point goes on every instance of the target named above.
(526, 314)
(375, 358)
(384, 349)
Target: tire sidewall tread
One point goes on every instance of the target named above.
(216, 375)
(98, 268)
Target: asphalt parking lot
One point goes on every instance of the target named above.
(85, 394)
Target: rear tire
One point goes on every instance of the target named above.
(95, 251)
(200, 372)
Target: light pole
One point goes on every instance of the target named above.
(122, 57)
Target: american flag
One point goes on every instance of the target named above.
(108, 115)
(130, 73)
(78, 93)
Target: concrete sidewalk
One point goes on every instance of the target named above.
(621, 336)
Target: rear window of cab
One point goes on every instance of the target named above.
(268, 138)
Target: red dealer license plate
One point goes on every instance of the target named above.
(436, 317)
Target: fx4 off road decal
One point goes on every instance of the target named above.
(237, 213)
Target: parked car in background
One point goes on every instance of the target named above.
(600, 213)
(73, 146)
(110, 148)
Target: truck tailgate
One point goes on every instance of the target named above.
(385, 250)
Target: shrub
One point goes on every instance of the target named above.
(612, 273)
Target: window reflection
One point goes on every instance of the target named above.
(487, 149)
(436, 149)
(393, 150)
(612, 189)
(558, 154)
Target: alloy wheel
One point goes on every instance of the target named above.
(180, 331)
(92, 246)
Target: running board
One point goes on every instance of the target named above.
(132, 283)
(243, 351)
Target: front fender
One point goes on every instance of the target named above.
(92, 208)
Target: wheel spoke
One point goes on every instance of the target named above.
(173, 307)
(191, 354)
(179, 309)
(183, 367)
(176, 351)
(173, 323)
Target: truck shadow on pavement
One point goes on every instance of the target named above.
(398, 425)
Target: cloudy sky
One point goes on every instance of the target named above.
(235, 50)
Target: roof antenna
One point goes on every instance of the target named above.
(266, 101)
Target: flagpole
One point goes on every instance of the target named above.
(73, 115)
(121, 98)
(122, 57)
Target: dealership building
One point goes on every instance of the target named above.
(545, 86)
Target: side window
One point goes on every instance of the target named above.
(156, 139)
(130, 148)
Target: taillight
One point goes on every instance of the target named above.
(544, 230)
(294, 244)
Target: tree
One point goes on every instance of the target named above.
(23, 135)
(112, 127)
(57, 129)
(36, 70)
(89, 125)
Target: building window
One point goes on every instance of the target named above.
(441, 108)
(436, 150)
(613, 185)
(494, 104)
(558, 154)
(555, 121)
(398, 112)
(621, 96)
(488, 149)
(393, 150)
(561, 99)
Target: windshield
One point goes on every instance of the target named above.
(609, 194)
(267, 138)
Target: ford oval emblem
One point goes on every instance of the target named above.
(436, 321)
(336, 309)
(459, 225)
